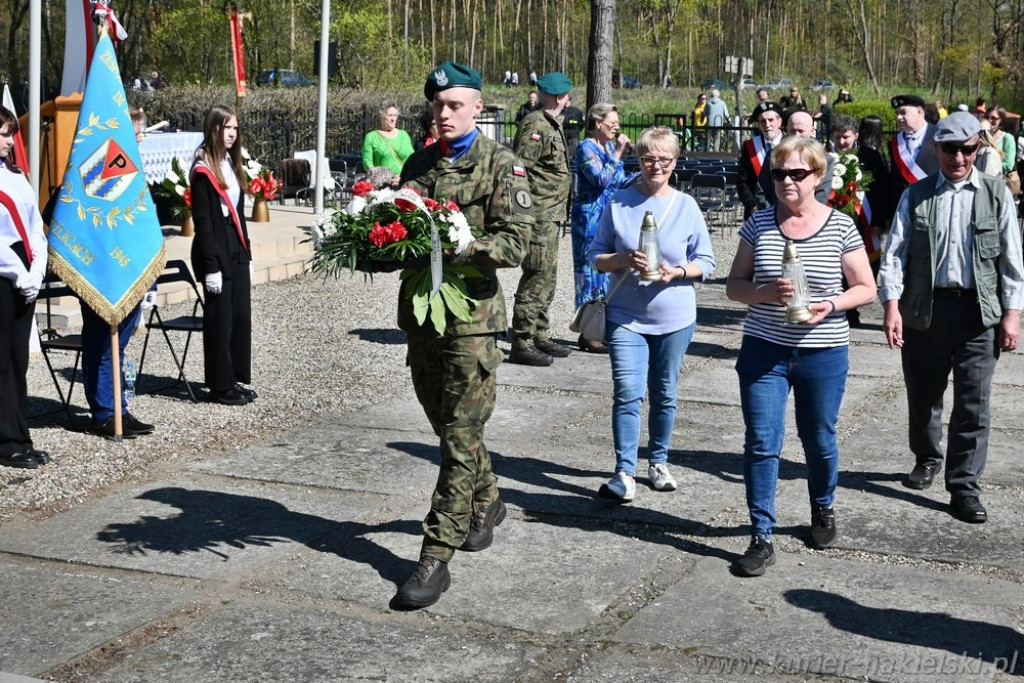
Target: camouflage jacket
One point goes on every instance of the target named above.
(540, 143)
(489, 184)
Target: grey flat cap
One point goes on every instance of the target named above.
(957, 127)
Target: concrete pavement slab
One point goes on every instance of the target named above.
(269, 642)
(55, 613)
(552, 576)
(815, 615)
(199, 529)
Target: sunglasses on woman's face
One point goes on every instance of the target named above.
(797, 174)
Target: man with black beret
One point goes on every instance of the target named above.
(911, 152)
(753, 182)
(952, 287)
(454, 374)
(540, 143)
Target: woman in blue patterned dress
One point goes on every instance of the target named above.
(599, 172)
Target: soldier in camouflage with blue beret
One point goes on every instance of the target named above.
(540, 143)
(454, 374)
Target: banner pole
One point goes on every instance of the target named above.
(115, 361)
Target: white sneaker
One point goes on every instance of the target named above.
(661, 478)
(621, 487)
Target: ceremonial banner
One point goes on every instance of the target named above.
(237, 50)
(105, 240)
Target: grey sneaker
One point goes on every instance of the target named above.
(759, 556)
(661, 478)
(621, 487)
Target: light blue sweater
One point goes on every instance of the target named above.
(654, 307)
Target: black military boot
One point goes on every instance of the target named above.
(552, 348)
(425, 586)
(481, 531)
(529, 355)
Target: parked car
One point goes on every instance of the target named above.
(631, 82)
(288, 78)
(748, 83)
(778, 83)
(716, 83)
(822, 85)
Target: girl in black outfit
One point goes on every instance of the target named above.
(221, 258)
(22, 267)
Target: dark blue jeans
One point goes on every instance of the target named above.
(817, 377)
(97, 373)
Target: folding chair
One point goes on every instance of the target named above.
(330, 186)
(176, 271)
(295, 175)
(709, 191)
(51, 340)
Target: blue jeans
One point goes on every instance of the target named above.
(767, 371)
(97, 370)
(639, 361)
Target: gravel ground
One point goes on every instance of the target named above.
(320, 348)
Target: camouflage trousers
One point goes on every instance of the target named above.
(454, 379)
(537, 285)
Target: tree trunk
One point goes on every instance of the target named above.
(858, 18)
(599, 66)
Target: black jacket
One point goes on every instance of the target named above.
(216, 246)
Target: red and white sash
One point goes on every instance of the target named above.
(907, 165)
(200, 168)
(756, 152)
(12, 208)
(872, 244)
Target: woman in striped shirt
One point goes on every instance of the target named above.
(809, 357)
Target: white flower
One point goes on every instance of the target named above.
(172, 177)
(245, 154)
(180, 190)
(381, 196)
(323, 227)
(837, 182)
(839, 171)
(459, 232)
(850, 159)
(858, 175)
(355, 206)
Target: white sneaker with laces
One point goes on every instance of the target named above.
(621, 487)
(661, 478)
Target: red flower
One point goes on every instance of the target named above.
(404, 205)
(255, 185)
(451, 206)
(851, 186)
(431, 204)
(188, 197)
(362, 187)
(387, 234)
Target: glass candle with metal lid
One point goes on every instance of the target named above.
(793, 270)
(649, 245)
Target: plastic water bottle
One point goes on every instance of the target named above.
(129, 380)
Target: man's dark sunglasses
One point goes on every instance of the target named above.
(797, 174)
(951, 148)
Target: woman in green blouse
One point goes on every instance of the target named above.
(389, 146)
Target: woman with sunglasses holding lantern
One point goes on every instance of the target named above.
(809, 358)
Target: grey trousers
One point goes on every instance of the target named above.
(955, 341)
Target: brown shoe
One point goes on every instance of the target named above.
(592, 346)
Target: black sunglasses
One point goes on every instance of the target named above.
(797, 174)
(951, 148)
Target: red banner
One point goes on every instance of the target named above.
(237, 50)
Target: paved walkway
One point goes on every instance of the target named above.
(277, 562)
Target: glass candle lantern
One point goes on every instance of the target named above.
(793, 270)
(649, 245)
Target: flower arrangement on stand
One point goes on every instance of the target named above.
(175, 191)
(261, 184)
(384, 230)
(848, 184)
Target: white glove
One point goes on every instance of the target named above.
(149, 301)
(30, 286)
(252, 270)
(214, 283)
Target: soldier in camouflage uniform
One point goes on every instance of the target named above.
(454, 374)
(540, 143)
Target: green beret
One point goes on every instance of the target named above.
(452, 75)
(554, 83)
